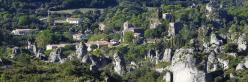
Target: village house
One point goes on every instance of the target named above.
(138, 32)
(54, 46)
(23, 31)
(101, 44)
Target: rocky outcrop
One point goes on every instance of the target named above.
(223, 63)
(15, 52)
(86, 59)
(81, 50)
(96, 62)
(215, 40)
(35, 51)
(184, 69)
(151, 54)
(154, 55)
(212, 62)
(55, 56)
(174, 28)
(242, 65)
(40, 55)
(242, 44)
(32, 48)
(168, 77)
(132, 66)
(119, 64)
(167, 55)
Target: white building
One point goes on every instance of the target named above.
(73, 20)
(23, 31)
(54, 46)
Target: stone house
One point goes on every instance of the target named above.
(138, 32)
(54, 46)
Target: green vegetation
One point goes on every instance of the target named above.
(128, 37)
(43, 38)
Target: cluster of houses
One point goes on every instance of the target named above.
(138, 33)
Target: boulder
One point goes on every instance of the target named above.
(119, 64)
(240, 66)
(184, 69)
(246, 64)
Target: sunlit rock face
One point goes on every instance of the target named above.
(242, 44)
(81, 50)
(184, 69)
(55, 56)
(119, 64)
(167, 55)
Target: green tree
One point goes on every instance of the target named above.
(23, 20)
(68, 36)
(43, 38)
(149, 33)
